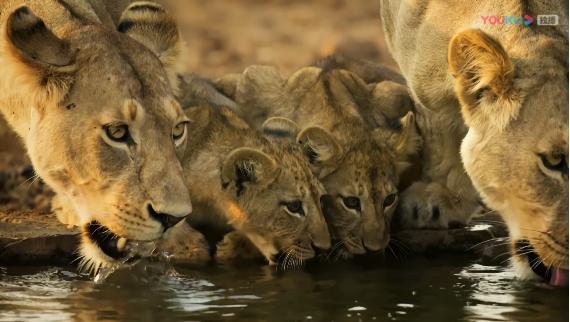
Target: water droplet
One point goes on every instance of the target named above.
(104, 273)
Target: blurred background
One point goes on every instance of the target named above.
(226, 36)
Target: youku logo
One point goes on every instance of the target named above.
(526, 20)
(508, 20)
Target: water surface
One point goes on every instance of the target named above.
(421, 289)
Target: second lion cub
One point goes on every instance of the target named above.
(241, 181)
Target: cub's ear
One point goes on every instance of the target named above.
(259, 87)
(393, 99)
(403, 137)
(149, 23)
(196, 90)
(319, 145)
(33, 54)
(483, 79)
(280, 127)
(227, 84)
(256, 92)
(246, 166)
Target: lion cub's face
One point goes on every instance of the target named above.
(362, 198)
(516, 150)
(278, 202)
(104, 131)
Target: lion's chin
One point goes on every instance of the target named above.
(555, 276)
(101, 248)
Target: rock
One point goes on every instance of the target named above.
(39, 238)
(484, 236)
(35, 238)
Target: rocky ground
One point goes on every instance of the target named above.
(35, 237)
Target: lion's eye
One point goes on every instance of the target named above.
(178, 131)
(554, 162)
(352, 202)
(389, 200)
(294, 207)
(117, 132)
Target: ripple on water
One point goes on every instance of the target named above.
(434, 289)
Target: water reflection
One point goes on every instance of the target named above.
(496, 295)
(440, 289)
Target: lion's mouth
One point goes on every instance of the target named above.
(116, 247)
(293, 256)
(355, 246)
(554, 276)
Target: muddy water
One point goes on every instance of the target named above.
(440, 289)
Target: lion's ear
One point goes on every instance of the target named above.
(483, 79)
(319, 145)
(196, 91)
(402, 136)
(151, 25)
(392, 98)
(259, 86)
(280, 127)
(246, 166)
(34, 54)
(227, 84)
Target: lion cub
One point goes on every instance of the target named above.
(357, 160)
(264, 190)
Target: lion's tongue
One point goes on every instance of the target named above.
(559, 277)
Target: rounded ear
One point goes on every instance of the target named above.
(259, 87)
(303, 78)
(402, 136)
(483, 79)
(34, 43)
(319, 145)
(368, 71)
(280, 127)
(196, 90)
(392, 99)
(227, 84)
(32, 52)
(245, 166)
(149, 23)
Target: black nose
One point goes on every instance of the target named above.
(165, 219)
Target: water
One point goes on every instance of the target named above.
(440, 289)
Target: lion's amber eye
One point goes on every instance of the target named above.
(554, 162)
(117, 132)
(178, 131)
(352, 203)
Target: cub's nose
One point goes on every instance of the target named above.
(166, 220)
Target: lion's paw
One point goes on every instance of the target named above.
(184, 244)
(236, 246)
(433, 206)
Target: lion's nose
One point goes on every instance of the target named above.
(166, 220)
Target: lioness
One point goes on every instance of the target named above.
(264, 190)
(357, 166)
(510, 85)
(96, 110)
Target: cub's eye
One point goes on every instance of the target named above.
(554, 162)
(294, 207)
(178, 131)
(389, 200)
(117, 132)
(352, 202)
